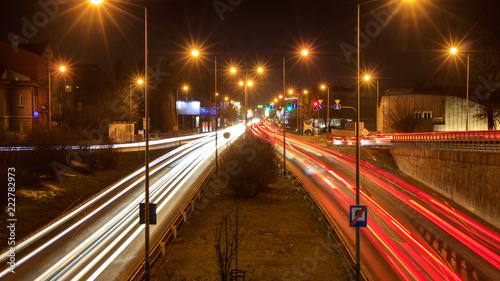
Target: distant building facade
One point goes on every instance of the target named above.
(24, 88)
(430, 111)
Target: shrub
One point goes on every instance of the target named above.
(102, 159)
(250, 162)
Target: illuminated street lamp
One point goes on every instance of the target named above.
(454, 51)
(304, 53)
(358, 76)
(196, 53)
(146, 195)
(246, 83)
(327, 110)
(185, 88)
(61, 69)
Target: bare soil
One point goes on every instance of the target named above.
(283, 239)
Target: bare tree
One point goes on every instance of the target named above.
(228, 237)
(401, 118)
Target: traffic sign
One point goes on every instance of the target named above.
(337, 101)
(365, 132)
(320, 106)
(320, 101)
(316, 121)
(152, 213)
(358, 216)
(294, 106)
(336, 106)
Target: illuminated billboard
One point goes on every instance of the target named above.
(188, 108)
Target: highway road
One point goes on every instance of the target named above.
(102, 238)
(411, 235)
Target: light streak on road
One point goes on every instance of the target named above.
(409, 257)
(114, 216)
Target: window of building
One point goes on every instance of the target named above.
(21, 104)
(422, 114)
(68, 89)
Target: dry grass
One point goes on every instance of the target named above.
(280, 240)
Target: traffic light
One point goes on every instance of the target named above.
(267, 106)
(315, 105)
(289, 107)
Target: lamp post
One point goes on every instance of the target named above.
(304, 53)
(146, 195)
(61, 69)
(327, 111)
(246, 83)
(368, 78)
(454, 51)
(185, 88)
(358, 77)
(358, 74)
(298, 111)
(196, 53)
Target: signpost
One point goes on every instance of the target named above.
(358, 216)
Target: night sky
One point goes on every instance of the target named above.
(247, 33)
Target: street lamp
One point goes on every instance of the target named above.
(146, 195)
(367, 78)
(61, 69)
(304, 53)
(358, 76)
(196, 53)
(185, 88)
(454, 51)
(327, 110)
(246, 83)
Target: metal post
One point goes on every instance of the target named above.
(298, 111)
(467, 98)
(358, 264)
(130, 103)
(328, 114)
(216, 116)
(50, 99)
(284, 122)
(176, 109)
(376, 116)
(246, 99)
(146, 263)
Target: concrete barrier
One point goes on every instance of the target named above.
(470, 179)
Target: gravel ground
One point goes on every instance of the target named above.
(282, 240)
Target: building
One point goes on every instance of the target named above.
(437, 104)
(25, 104)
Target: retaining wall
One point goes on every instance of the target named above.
(471, 179)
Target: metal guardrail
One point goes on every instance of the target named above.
(348, 256)
(158, 249)
(472, 141)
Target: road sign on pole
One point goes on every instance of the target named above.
(358, 216)
(336, 106)
(320, 106)
(320, 101)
